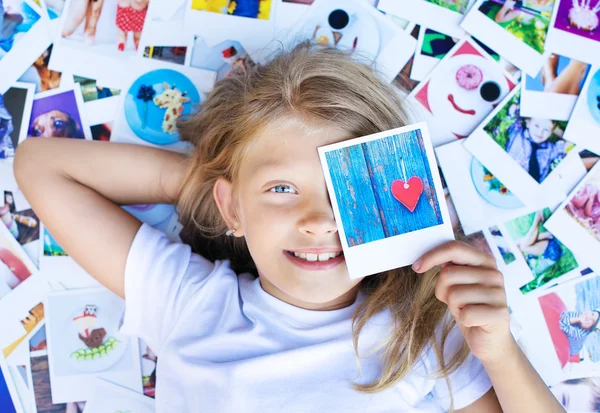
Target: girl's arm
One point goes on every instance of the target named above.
(507, 12)
(75, 187)
(473, 288)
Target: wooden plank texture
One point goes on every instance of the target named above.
(354, 195)
(384, 162)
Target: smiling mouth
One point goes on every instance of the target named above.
(458, 108)
(315, 257)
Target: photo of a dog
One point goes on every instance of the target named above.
(56, 115)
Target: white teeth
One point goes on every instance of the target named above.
(314, 257)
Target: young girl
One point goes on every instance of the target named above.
(267, 318)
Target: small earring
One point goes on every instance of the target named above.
(230, 232)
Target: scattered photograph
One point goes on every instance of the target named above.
(226, 58)
(172, 54)
(579, 17)
(432, 47)
(24, 226)
(15, 110)
(57, 114)
(149, 362)
(536, 144)
(546, 257)
(109, 397)
(571, 313)
(584, 124)
(584, 206)
(554, 91)
(51, 247)
(40, 378)
(84, 342)
(15, 265)
(462, 89)
(102, 131)
(545, 168)
(6, 389)
(578, 395)
(18, 17)
(91, 91)
(508, 256)
(254, 9)
(386, 186)
(527, 20)
(40, 75)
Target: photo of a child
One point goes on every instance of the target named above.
(578, 395)
(572, 314)
(528, 21)
(255, 9)
(584, 207)
(536, 144)
(104, 25)
(546, 256)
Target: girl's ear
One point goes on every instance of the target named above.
(223, 194)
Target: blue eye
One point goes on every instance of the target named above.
(283, 189)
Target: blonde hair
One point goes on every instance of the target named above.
(326, 85)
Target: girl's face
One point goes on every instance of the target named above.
(282, 207)
(588, 319)
(540, 129)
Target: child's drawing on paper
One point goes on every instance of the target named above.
(93, 335)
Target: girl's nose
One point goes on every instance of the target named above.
(317, 224)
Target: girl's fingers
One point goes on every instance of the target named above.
(455, 252)
(476, 315)
(459, 296)
(459, 274)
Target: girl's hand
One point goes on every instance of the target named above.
(473, 288)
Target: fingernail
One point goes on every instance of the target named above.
(416, 265)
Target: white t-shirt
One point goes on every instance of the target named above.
(226, 345)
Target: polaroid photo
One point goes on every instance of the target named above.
(24, 225)
(251, 22)
(554, 91)
(96, 41)
(53, 9)
(289, 12)
(60, 270)
(574, 30)
(149, 362)
(15, 265)
(460, 92)
(584, 125)
(20, 370)
(432, 46)
(23, 37)
(479, 197)
(43, 78)
(443, 15)
(356, 26)
(526, 154)
(562, 327)
(387, 198)
(164, 39)
(223, 57)
(576, 221)
(84, 343)
(109, 397)
(9, 397)
(15, 111)
(577, 393)
(515, 29)
(58, 113)
(152, 92)
(533, 257)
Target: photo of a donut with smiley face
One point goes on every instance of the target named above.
(461, 91)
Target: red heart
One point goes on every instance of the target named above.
(408, 193)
